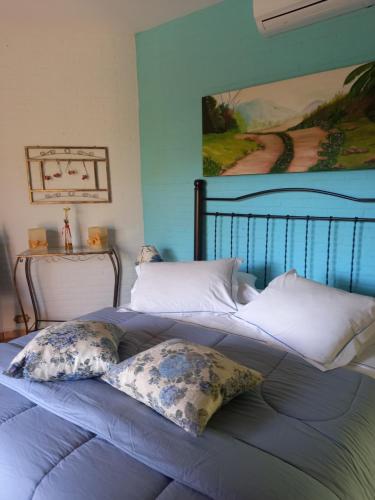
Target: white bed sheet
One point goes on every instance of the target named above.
(228, 323)
(365, 363)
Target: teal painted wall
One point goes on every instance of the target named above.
(219, 49)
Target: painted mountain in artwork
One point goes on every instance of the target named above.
(310, 108)
(260, 113)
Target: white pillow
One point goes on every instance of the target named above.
(200, 286)
(246, 291)
(246, 287)
(327, 326)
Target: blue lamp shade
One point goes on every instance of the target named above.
(148, 253)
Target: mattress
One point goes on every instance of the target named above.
(302, 434)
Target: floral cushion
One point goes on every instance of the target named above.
(184, 382)
(68, 351)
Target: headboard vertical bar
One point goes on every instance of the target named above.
(328, 248)
(215, 236)
(248, 242)
(266, 252)
(306, 244)
(199, 199)
(286, 242)
(353, 253)
(231, 235)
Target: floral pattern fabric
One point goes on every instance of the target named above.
(148, 253)
(185, 382)
(68, 351)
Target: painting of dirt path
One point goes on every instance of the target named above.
(319, 122)
(306, 143)
(263, 159)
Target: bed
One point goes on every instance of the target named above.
(301, 434)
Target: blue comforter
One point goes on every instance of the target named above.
(303, 434)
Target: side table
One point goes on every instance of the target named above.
(53, 255)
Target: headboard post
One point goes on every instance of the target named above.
(199, 198)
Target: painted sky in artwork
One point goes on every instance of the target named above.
(296, 93)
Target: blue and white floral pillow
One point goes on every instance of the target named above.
(185, 382)
(68, 351)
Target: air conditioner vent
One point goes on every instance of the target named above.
(276, 16)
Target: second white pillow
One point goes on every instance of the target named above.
(327, 326)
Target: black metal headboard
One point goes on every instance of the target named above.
(202, 215)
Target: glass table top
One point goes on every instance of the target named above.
(49, 252)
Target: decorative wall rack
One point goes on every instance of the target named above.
(68, 174)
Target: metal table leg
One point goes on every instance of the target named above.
(18, 260)
(117, 271)
(33, 298)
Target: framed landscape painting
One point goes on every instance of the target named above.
(319, 122)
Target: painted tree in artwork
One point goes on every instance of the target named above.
(364, 86)
(364, 79)
(217, 117)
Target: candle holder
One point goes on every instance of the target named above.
(98, 238)
(37, 238)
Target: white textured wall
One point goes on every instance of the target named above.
(67, 77)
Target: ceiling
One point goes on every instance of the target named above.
(126, 15)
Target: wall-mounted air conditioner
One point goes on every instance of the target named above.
(276, 16)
